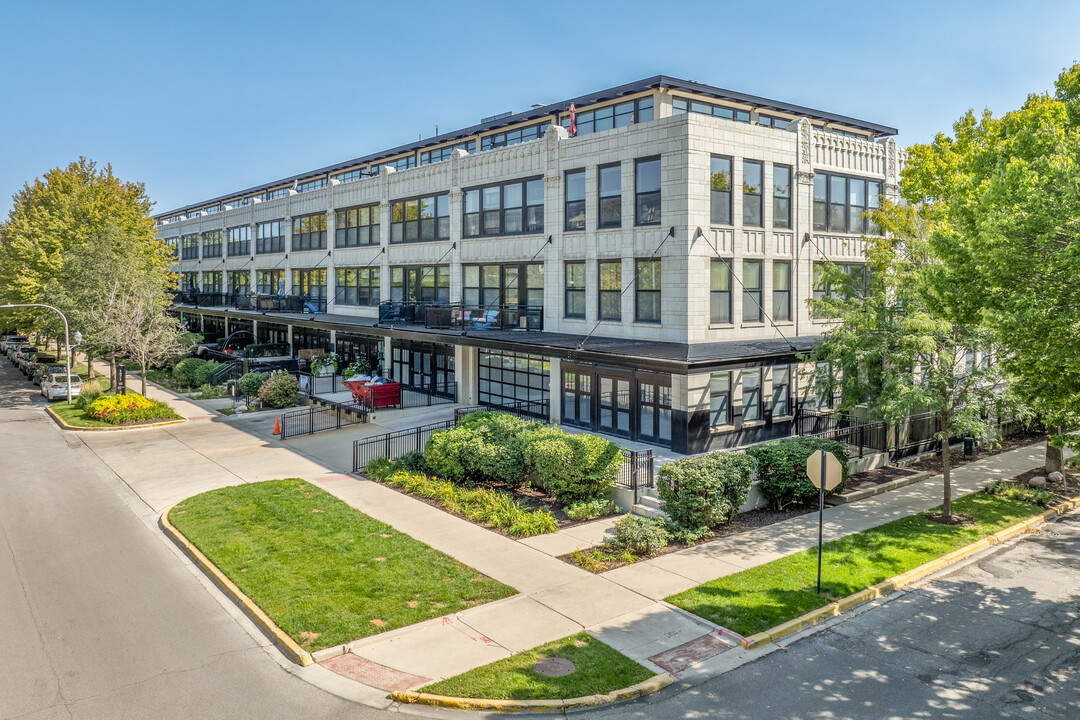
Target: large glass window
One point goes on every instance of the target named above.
(494, 285)
(781, 384)
(610, 305)
(647, 295)
(577, 398)
(840, 203)
(420, 219)
(357, 286)
(506, 378)
(239, 281)
(211, 244)
(720, 190)
(683, 105)
(357, 226)
(751, 395)
(433, 156)
(720, 399)
(316, 184)
(781, 175)
(211, 281)
(513, 137)
(610, 182)
(575, 200)
(858, 272)
(409, 161)
(309, 232)
(269, 282)
(781, 293)
(647, 191)
(189, 281)
(751, 304)
(575, 290)
(720, 291)
(310, 283)
(189, 247)
(420, 283)
(508, 209)
(239, 241)
(751, 197)
(270, 237)
(612, 116)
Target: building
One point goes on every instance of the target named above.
(645, 275)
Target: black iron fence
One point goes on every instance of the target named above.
(528, 409)
(443, 316)
(637, 471)
(862, 434)
(324, 416)
(258, 302)
(395, 444)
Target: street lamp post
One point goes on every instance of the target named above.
(67, 338)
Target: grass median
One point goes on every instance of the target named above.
(75, 416)
(598, 669)
(324, 572)
(762, 597)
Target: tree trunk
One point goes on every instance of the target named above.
(1054, 460)
(946, 503)
(112, 370)
(142, 378)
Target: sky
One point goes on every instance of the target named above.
(198, 99)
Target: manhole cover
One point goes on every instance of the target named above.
(554, 667)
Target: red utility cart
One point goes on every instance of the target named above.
(375, 396)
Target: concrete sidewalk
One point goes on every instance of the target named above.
(623, 607)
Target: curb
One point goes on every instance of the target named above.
(877, 489)
(654, 684)
(60, 421)
(283, 642)
(902, 580)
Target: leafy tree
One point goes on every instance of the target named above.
(1006, 192)
(901, 341)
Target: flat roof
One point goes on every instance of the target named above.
(657, 81)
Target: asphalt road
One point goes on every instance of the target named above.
(100, 618)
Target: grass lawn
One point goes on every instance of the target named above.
(765, 596)
(599, 669)
(323, 571)
(75, 416)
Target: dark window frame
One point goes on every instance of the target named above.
(571, 213)
(781, 198)
(720, 399)
(212, 244)
(825, 205)
(235, 287)
(269, 281)
(357, 286)
(622, 114)
(758, 406)
(646, 196)
(575, 292)
(304, 282)
(719, 198)
(309, 232)
(350, 231)
(189, 246)
(781, 304)
(433, 228)
(602, 194)
(270, 242)
(750, 199)
(239, 241)
(528, 211)
(610, 292)
(752, 292)
(719, 296)
(639, 291)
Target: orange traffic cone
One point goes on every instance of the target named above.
(277, 426)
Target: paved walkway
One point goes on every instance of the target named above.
(623, 607)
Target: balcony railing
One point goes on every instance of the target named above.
(258, 302)
(441, 316)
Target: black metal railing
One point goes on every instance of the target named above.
(637, 471)
(528, 409)
(862, 434)
(492, 317)
(395, 444)
(323, 416)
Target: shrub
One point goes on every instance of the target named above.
(252, 381)
(191, 372)
(127, 408)
(639, 536)
(1023, 493)
(572, 467)
(781, 468)
(91, 391)
(379, 469)
(279, 390)
(591, 508)
(255, 350)
(211, 392)
(413, 462)
(705, 490)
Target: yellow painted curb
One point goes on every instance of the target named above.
(60, 421)
(654, 684)
(904, 579)
(284, 643)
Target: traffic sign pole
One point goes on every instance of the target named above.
(821, 520)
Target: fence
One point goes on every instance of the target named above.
(393, 445)
(637, 471)
(527, 409)
(325, 416)
(863, 434)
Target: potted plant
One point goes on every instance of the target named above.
(325, 365)
(360, 366)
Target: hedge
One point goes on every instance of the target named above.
(781, 468)
(705, 490)
(191, 372)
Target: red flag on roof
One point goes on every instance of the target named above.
(573, 120)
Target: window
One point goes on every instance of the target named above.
(513, 137)
(610, 290)
(751, 395)
(189, 281)
(173, 244)
(239, 241)
(720, 291)
(577, 398)
(751, 199)
(720, 399)
(433, 156)
(316, 184)
(575, 200)
(270, 237)
(781, 391)
(357, 286)
(575, 290)
(401, 163)
(647, 294)
(823, 398)
(423, 283)
(189, 247)
(239, 281)
(774, 122)
(310, 283)
(357, 226)
(751, 279)
(211, 244)
(309, 232)
(493, 285)
(682, 105)
(269, 282)
(211, 281)
(610, 182)
(354, 175)
(840, 203)
(858, 272)
(506, 378)
(781, 180)
(647, 191)
(511, 208)
(275, 194)
(613, 116)
(720, 190)
(781, 290)
(420, 219)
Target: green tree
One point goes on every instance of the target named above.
(1007, 192)
(901, 341)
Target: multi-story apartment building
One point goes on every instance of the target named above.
(642, 264)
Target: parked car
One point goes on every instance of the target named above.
(43, 370)
(54, 386)
(36, 361)
(25, 358)
(20, 352)
(9, 340)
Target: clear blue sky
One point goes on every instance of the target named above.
(197, 99)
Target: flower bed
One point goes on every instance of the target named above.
(128, 408)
